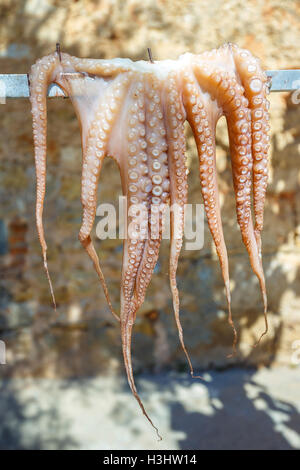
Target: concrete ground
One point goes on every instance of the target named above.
(234, 409)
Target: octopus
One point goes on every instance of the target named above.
(135, 112)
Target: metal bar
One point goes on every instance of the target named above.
(284, 80)
(16, 85)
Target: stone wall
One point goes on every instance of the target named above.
(84, 339)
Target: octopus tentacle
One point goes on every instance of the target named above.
(39, 79)
(132, 158)
(103, 68)
(254, 81)
(174, 115)
(241, 169)
(157, 184)
(95, 152)
(97, 104)
(230, 97)
(135, 188)
(202, 116)
(94, 155)
(126, 346)
(239, 129)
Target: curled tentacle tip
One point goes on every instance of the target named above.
(50, 282)
(234, 349)
(232, 354)
(265, 332)
(235, 336)
(198, 377)
(259, 340)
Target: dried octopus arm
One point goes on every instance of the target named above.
(157, 184)
(39, 79)
(224, 87)
(102, 67)
(128, 145)
(126, 332)
(97, 102)
(202, 115)
(238, 118)
(254, 81)
(174, 116)
(241, 170)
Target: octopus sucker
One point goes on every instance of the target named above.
(202, 116)
(135, 113)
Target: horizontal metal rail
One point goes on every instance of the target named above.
(16, 85)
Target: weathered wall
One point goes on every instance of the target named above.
(84, 339)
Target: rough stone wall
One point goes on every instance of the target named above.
(84, 339)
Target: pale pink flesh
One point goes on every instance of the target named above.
(223, 83)
(135, 112)
(202, 115)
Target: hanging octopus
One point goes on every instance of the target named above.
(135, 112)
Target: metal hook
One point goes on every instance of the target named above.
(58, 51)
(150, 55)
(269, 83)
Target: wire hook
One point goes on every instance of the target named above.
(58, 51)
(150, 55)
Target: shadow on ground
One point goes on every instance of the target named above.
(28, 424)
(234, 409)
(238, 421)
